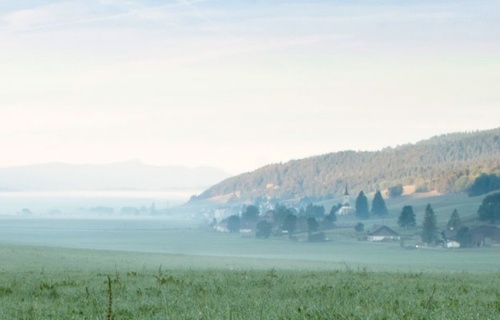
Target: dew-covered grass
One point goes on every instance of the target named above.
(51, 283)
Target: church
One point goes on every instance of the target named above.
(346, 204)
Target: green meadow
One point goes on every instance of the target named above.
(357, 281)
(146, 269)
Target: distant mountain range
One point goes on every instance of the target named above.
(446, 163)
(130, 175)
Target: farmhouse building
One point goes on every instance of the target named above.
(383, 233)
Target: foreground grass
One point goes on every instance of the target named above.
(256, 294)
(49, 283)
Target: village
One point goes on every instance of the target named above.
(307, 222)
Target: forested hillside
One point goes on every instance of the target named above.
(446, 163)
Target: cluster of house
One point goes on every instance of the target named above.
(480, 236)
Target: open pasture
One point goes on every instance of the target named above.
(152, 238)
(51, 283)
(59, 269)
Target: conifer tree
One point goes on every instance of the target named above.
(407, 218)
(362, 206)
(429, 232)
(378, 204)
(290, 223)
(454, 221)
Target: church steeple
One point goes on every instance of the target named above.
(346, 197)
(346, 205)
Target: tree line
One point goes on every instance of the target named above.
(283, 220)
(311, 218)
(488, 211)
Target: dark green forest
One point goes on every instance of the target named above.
(446, 163)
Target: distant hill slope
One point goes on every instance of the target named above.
(444, 163)
(131, 175)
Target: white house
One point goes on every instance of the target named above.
(452, 244)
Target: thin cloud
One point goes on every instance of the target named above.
(45, 16)
(76, 13)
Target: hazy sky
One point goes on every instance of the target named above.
(240, 84)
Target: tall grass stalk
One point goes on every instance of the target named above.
(109, 315)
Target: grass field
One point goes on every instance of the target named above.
(59, 269)
(54, 283)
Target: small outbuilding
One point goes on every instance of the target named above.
(383, 233)
(451, 244)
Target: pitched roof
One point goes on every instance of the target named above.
(486, 231)
(383, 231)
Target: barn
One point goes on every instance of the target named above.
(383, 233)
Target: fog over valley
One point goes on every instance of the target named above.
(123, 189)
(205, 159)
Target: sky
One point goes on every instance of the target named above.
(240, 84)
